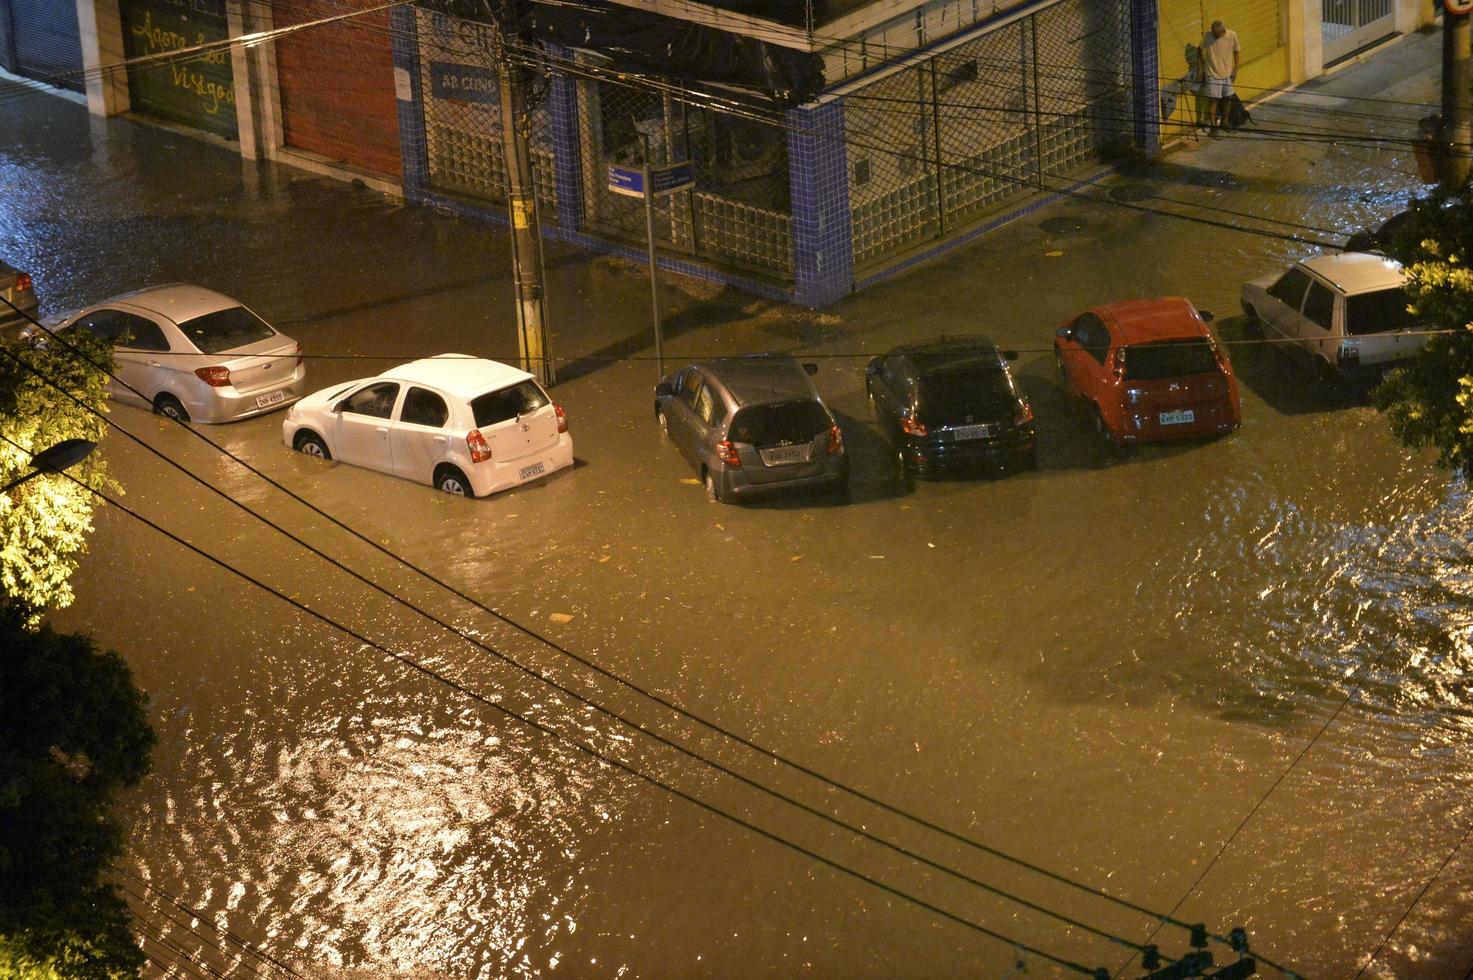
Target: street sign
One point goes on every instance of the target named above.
(668, 179)
(1458, 7)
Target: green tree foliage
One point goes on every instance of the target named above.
(73, 731)
(1429, 403)
(44, 523)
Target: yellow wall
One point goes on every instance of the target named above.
(1262, 30)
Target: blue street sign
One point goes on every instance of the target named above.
(663, 180)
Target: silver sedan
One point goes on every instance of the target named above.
(193, 354)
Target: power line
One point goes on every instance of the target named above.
(587, 748)
(583, 699)
(587, 663)
(1420, 895)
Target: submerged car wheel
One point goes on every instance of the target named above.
(167, 404)
(664, 423)
(308, 444)
(713, 489)
(451, 480)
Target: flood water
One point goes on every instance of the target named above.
(1226, 682)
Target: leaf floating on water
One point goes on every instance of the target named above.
(604, 559)
(1053, 254)
(560, 617)
(690, 481)
(796, 558)
(189, 589)
(877, 556)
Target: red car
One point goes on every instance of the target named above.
(1150, 371)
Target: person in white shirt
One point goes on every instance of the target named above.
(1217, 57)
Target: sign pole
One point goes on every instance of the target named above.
(649, 231)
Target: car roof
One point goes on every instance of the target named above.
(1357, 272)
(753, 380)
(461, 375)
(947, 353)
(1139, 321)
(178, 301)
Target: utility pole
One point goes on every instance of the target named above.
(1457, 93)
(521, 200)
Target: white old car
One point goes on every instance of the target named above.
(1347, 314)
(462, 424)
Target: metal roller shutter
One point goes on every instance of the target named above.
(337, 84)
(1261, 30)
(198, 91)
(45, 42)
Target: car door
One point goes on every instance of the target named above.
(361, 433)
(106, 325)
(1085, 354)
(418, 438)
(1317, 323)
(145, 359)
(708, 411)
(888, 387)
(680, 419)
(1282, 314)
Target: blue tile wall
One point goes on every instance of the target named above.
(1146, 83)
(818, 170)
(562, 107)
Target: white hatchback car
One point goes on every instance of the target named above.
(191, 353)
(1346, 313)
(462, 424)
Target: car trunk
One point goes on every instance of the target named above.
(268, 363)
(516, 421)
(1163, 403)
(781, 441)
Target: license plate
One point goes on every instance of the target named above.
(785, 455)
(275, 398)
(527, 472)
(1178, 418)
(971, 432)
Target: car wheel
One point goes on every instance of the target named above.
(167, 404)
(713, 489)
(309, 444)
(1059, 368)
(451, 480)
(1101, 429)
(870, 394)
(664, 423)
(1255, 325)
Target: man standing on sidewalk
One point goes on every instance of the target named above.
(1217, 58)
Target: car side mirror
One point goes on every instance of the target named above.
(1065, 333)
(1010, 355)
(338, 408)
(1206, 315)
(810, 368)
(664, 390)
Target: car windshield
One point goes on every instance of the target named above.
(1383, 311)
(768, 425)
(1168, 359)
(982, 392)
(508, 403)
(226, 330)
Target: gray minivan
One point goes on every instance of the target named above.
(750, 425)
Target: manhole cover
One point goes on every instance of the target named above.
(1062, 225)
(1133, 192)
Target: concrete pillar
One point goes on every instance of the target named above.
(246, 116)
(567, 147)
(1145, 71)
(413, 150)
(101, 28)
(257, 92)
(1306, 40)
(822, 229)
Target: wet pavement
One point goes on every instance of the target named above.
(1226, 681)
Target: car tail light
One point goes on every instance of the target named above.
(22, 281)
(836, 439)
(300, 356)
(1025, 414)
(908, 425)
(726, 451)
(562, 418)
(215, 377)
(476, 443)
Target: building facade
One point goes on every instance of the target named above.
(939, 119)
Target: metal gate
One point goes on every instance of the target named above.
(198, 91)
(1349, 25)
(42, 41)
(939, 143)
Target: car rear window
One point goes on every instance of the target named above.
(768, 425)
(226, 330)
(523, 398)
(1168, 359)
(981, 392)
(1383, 311)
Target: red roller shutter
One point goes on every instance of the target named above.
(337, 83)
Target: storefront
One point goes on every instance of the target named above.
(39, 39)
(336, 83)
(1263, 32)
(196, 90)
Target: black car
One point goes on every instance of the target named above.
(951, 402)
